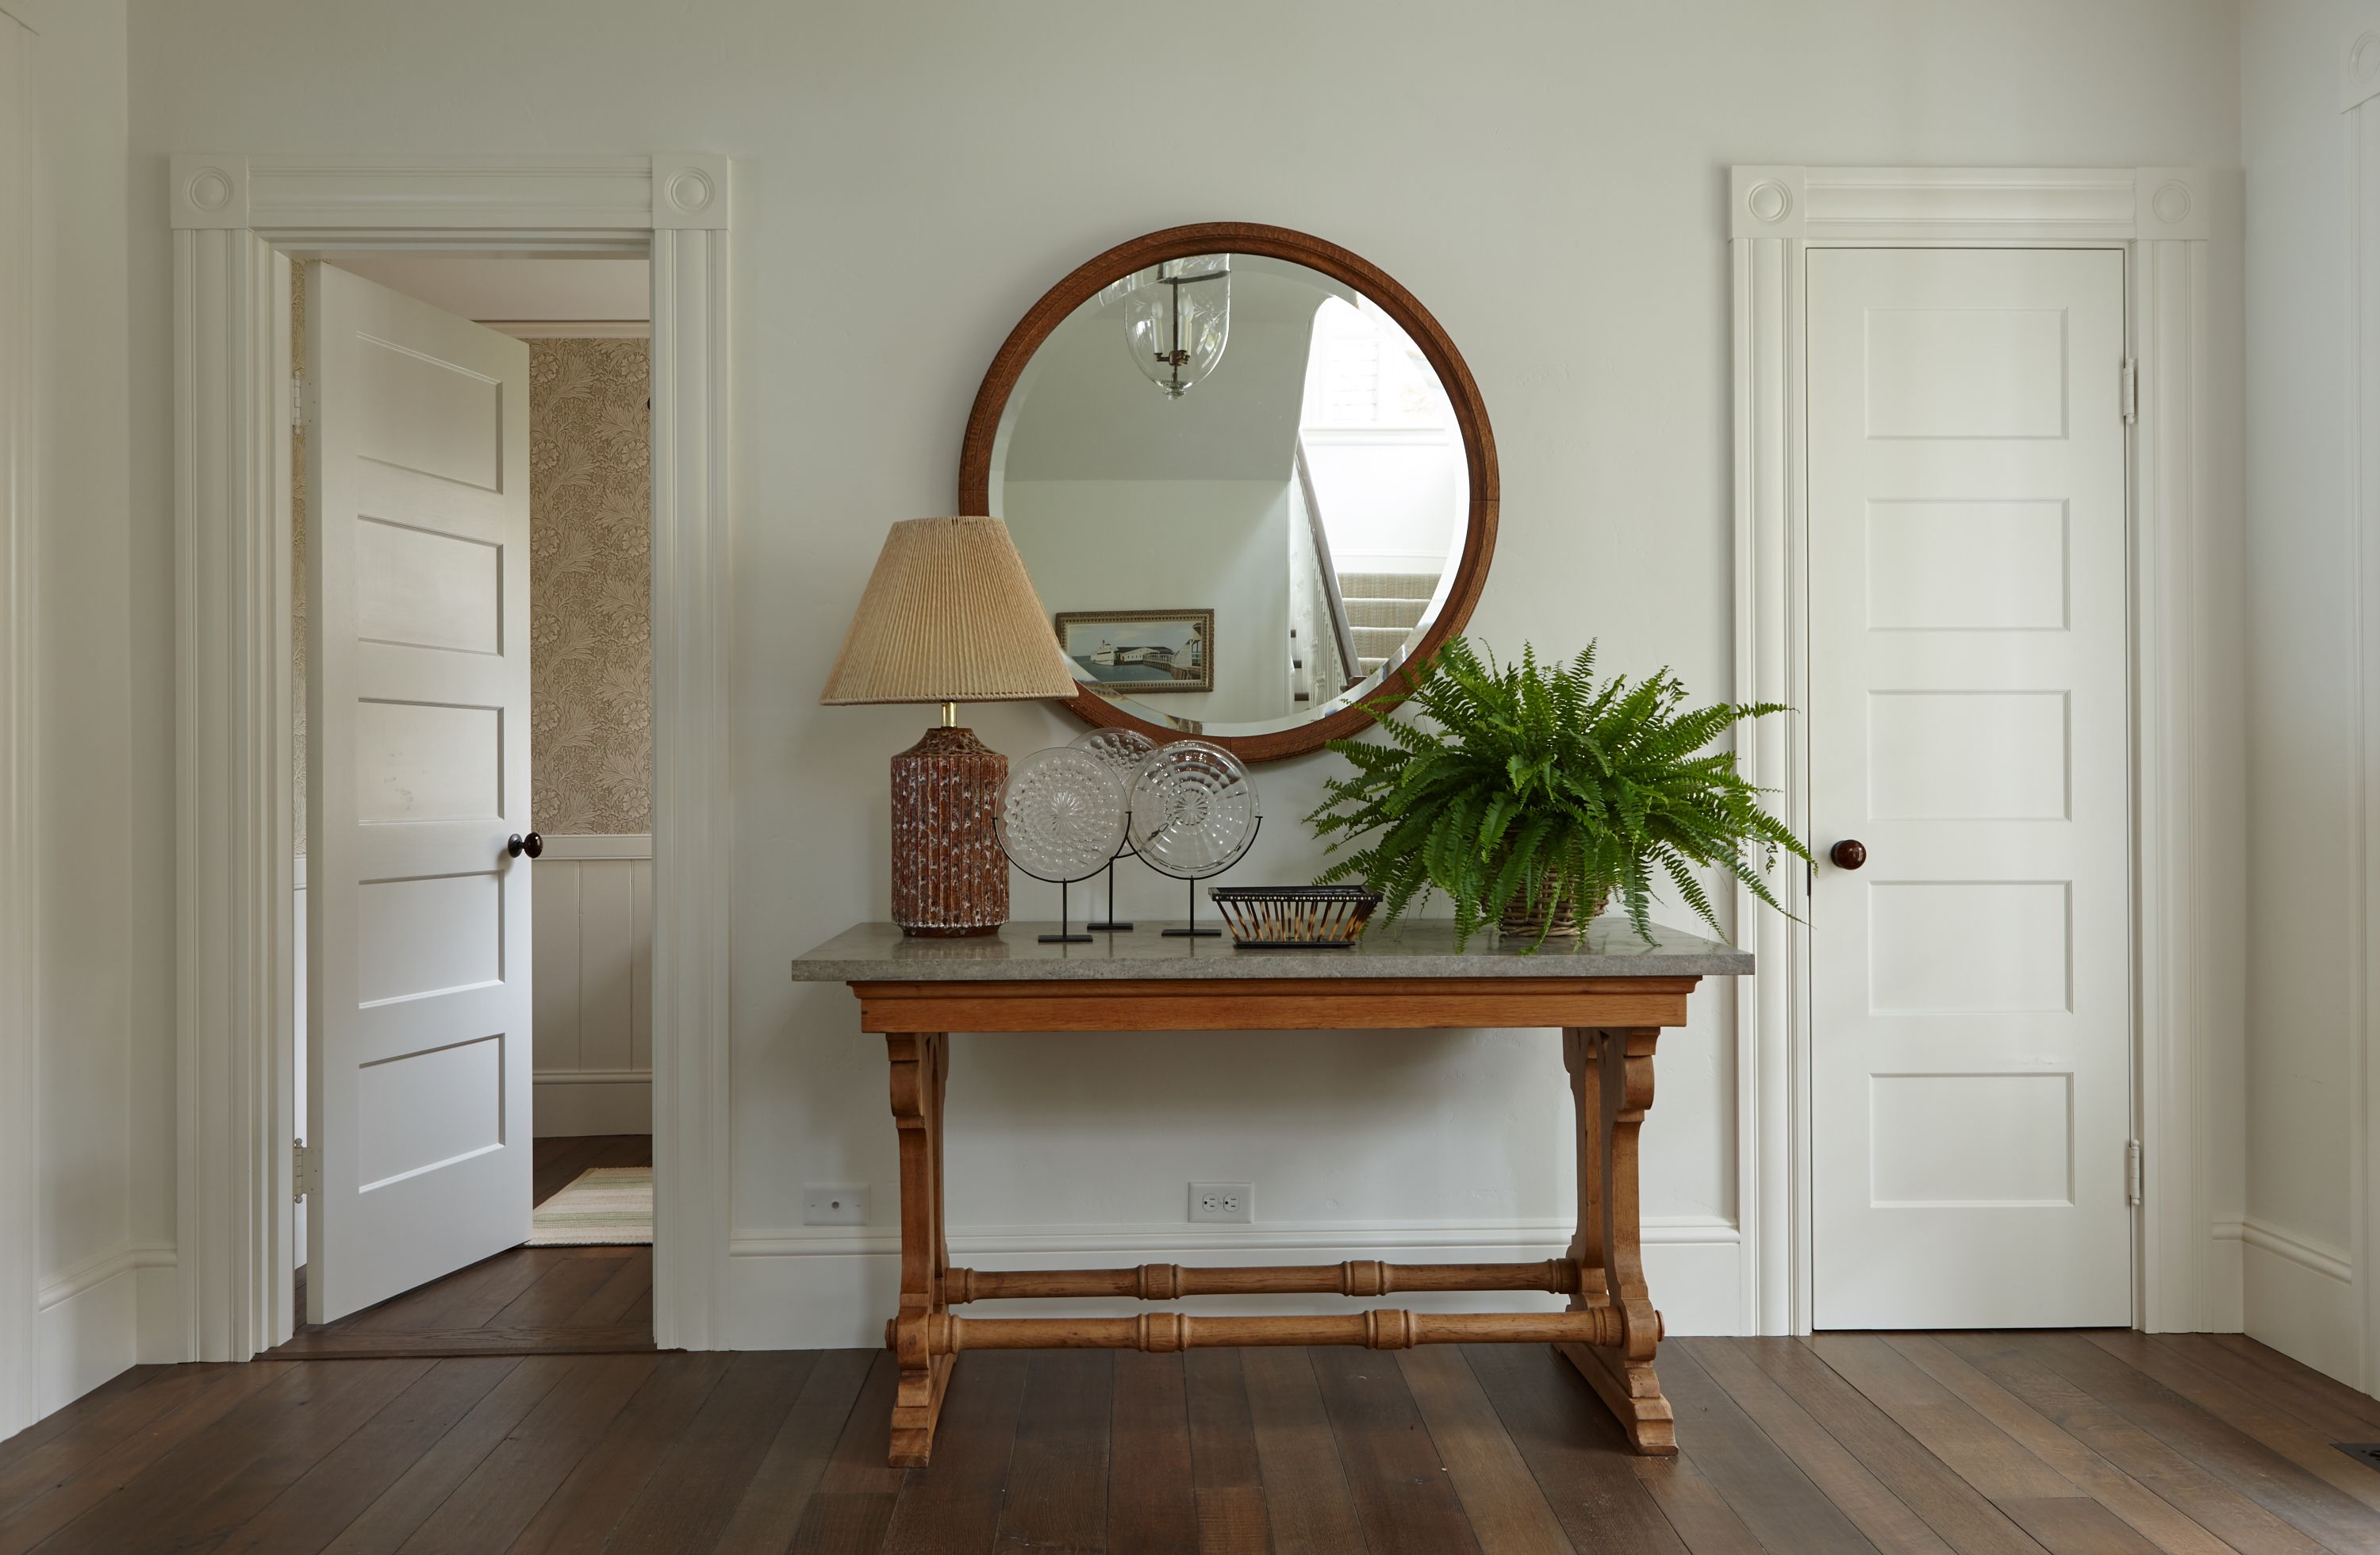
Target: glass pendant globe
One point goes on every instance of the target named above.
(1177, 319)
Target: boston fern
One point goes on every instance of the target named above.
(1542, 792)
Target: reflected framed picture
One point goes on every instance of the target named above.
(1145, 651)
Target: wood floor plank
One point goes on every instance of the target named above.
(357, 1344)
(769, 1512)
(409, 1501)
(1222, 1446)
(1403, 1498)
(840, 1522)
(2076, 1525)
(1997, 1464)
(220, 1390)
(954, 1502)
(465, 1299)
(2301, 1377)
(1951, 1507)
(1233, 1520)
(332, 1494)
(1307, 1508)
(2272, 1389)
(101, 1414)
(607, 1306)
(1058, 1474)
(1776, 1501)
(194, 1496)
(2164, 1524)
(2215, 1506)
(562, 1289)
(52, 1450)
(1697, 1513)
(1883, 1517)
(695, 1487)
(585, 1507)
(2245, 1408)
(1507, 1511)
(859, 1463)
(2312, 1504)
(1573, 1448)
(496, 1501)
(1150, 1506)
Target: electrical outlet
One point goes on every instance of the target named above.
(1223, 1203)
(834, 1204)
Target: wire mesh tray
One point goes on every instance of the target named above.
(1293, 916)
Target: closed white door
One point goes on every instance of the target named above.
(417, 1020)
(1971, 990)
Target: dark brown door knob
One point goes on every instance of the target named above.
(1848, 853)
(532, 844)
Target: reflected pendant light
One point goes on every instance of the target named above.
(1177, 318)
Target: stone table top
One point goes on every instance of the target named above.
(1414, 948)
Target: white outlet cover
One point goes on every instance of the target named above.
(834, 1204)
(1222, 1203)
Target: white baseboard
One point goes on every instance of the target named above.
(2298, 1295)
(818, 1288)
(570, 1102)
(88, 1327)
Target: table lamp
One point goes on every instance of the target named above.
(949, 617)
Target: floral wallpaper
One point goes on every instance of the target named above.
(590, 586)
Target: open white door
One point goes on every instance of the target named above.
(1971, 982)
(418, 1016)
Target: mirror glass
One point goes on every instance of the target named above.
(1238, 486)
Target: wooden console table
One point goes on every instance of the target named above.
(1611, 1002)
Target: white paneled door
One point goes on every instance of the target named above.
(1968, 715)
(419, 1013)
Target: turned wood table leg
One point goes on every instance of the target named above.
(1611, 1087)
(920, 1063)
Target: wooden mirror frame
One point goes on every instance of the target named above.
(1273, 242)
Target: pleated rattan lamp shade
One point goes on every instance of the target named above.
(949, 617)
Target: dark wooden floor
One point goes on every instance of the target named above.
(529, 1301)
(2099, 1442)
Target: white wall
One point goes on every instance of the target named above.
(911, 176)
(1219, 545)
(2299, 1232)
(91, 1247)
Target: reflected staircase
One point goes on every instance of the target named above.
(1382, 609)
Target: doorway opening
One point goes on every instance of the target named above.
(577, 879)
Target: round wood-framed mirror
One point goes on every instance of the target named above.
(1251, 478)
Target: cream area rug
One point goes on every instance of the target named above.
(606, 1207)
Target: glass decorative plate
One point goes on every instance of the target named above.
(1123, 749)
(1061, 814)
(1192, 809)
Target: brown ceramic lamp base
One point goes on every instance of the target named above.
(950, 878)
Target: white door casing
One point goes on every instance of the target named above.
(419, 1023)
(2183, 497)
(1971, 983)
(232, 215)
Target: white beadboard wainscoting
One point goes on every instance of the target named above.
(594, 966)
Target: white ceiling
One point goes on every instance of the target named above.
(514, 290)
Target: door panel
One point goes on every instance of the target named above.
(1970, 988)
(418, 1006)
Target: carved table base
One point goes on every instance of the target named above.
(1610, 1333)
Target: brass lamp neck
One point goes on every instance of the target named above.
(950, 715)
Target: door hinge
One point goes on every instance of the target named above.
(297, 401)
(2128, 390)
(305, 1166)
(2131, 1172)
